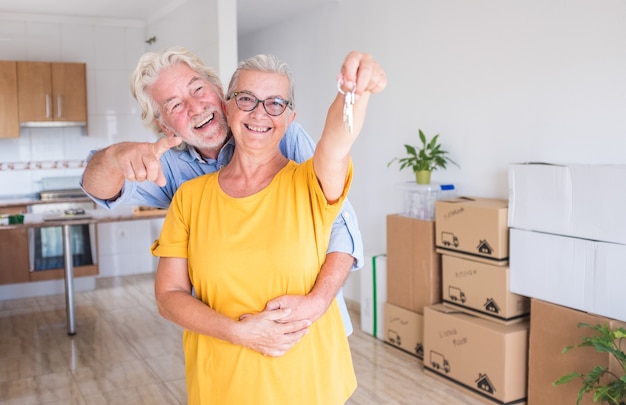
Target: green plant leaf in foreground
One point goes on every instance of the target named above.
(607, 388)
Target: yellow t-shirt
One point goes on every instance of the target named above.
(243, 252)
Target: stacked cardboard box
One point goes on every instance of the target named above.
(482, 289)
(568, 247)
(404, 329)
(485, 358)
(552, 328)
(413, 280)
(568, 230)
(472, 227)
(478, 338)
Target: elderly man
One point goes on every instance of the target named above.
(182, 102)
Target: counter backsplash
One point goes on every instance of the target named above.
(27, 184)
(43, 165)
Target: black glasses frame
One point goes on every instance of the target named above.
(257, 101)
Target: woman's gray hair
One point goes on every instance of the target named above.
(267, 64)
(147, 72)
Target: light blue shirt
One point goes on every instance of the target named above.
(182, 165)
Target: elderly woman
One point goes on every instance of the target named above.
(258, 229)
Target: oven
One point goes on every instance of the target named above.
(45, 244)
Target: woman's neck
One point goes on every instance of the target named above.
(246, 175)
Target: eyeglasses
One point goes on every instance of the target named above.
(247, 102)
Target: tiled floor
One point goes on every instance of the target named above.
(124, 353)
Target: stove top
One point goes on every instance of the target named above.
(48, 195)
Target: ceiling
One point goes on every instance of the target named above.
(251, 15)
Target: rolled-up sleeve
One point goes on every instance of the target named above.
(346, 236)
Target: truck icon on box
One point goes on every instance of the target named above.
(439, 362)
(449, 239)
(393, 337)
(456, 294)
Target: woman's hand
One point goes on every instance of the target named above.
(269, 334)
(362, 69)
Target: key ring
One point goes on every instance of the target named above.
(340, 82)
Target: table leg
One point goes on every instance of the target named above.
(69, 279)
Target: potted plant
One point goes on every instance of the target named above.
(424, 159)
(606, 386)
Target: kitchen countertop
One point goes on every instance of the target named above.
(32, 199)
(95, 216)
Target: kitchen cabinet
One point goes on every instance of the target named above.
(14, 251)
(9, 120)
(52, 93)
(56, 274)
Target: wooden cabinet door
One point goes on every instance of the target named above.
(9, 120)
(14, 252)
(69, 90)
(51, 92)
(34, 85)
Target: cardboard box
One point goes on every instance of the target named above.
(473, 226)
(413, 265)
(583, 201)
(553, 327)
(577, 273)
(482, 289)
(481, 356)
(373, 295)
(404, 330)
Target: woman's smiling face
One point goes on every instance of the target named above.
(257, 129)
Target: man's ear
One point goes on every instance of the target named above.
(168, 132)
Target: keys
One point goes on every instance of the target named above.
(348, 102)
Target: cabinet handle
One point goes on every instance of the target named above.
(59, 106)
(48, 114)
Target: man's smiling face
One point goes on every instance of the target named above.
(191, 108)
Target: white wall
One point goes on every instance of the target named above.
(500, 81)
(111, 49)
(207, 27)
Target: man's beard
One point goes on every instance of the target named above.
(213, 140)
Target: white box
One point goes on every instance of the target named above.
(373, 295)
(573, 272)
(583, 201)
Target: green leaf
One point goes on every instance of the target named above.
(411, 150)
(605, 386)
(430, 156)
(619, 333)
(567, 378)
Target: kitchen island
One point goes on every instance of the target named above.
(95, 216)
